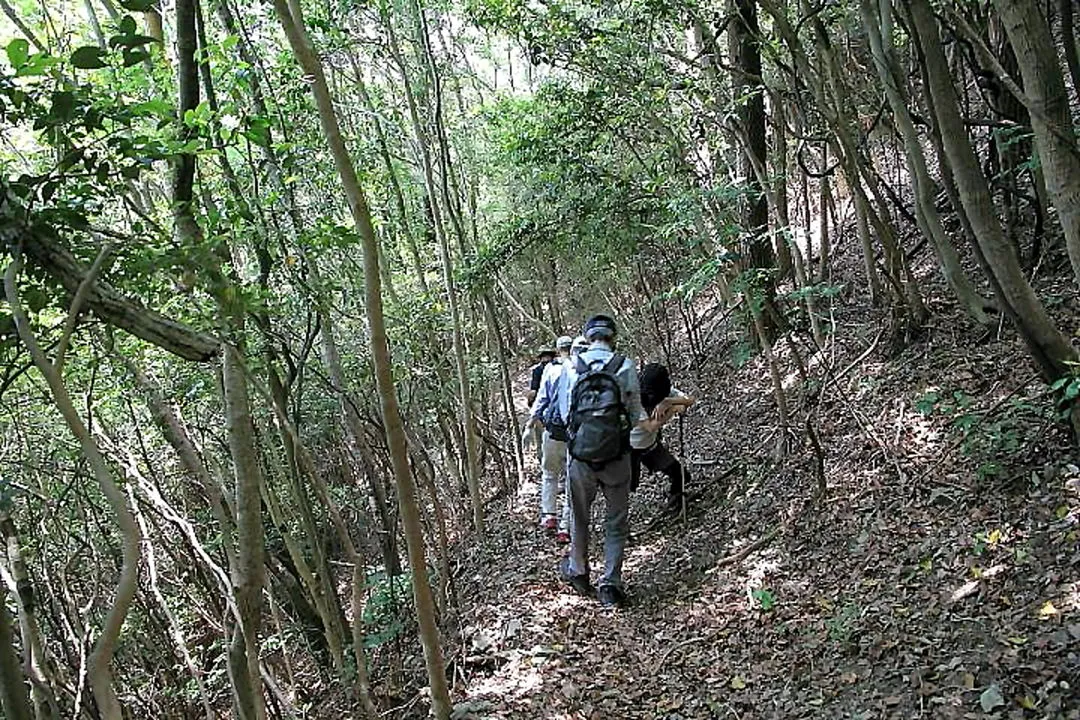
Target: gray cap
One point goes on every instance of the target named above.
(600, 326)
(564, 342)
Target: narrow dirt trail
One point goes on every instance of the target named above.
(919, 587)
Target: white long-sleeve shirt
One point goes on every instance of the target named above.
(642, 439)
(550, 388)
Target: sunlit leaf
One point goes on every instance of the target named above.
(1048, 610)
(18, 52)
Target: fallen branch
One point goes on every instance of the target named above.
(677, 646)
(752, 547)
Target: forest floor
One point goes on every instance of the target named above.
(939, 575)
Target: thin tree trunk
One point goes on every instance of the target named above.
(248, 580)
(355, 434)
(500, 348)
(468, 420)
(783, 234)
(292, 22)
(1068, 39)
(324, 589)
(23, 28)
(863, 230)
(99, 669)
(532, 318)
(824, 240)
(306, 466)
(174, 625)
(92, 18)
(774, 373)
(35, 662)
(248, 573)
(392, 175)
(13, 699)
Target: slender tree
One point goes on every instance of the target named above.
(293, 23)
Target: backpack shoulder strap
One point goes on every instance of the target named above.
(582, 366)
(614, 364)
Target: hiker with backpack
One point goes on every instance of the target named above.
(663, 402)
(536, 375)
(601, 404)
(546, 414)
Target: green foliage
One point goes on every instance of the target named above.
(89, 57)
(817, 291)
(765, 599)
(1067, 390)
(18, 52)
(927, 402)
(741, 353)
(388, 606)
(844, 623)
(990, 440)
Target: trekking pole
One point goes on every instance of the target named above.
(682, 468)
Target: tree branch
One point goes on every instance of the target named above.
(46, 252)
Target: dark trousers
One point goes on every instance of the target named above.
(658, 459)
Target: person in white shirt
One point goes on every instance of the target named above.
(663, 402)
(544, 414)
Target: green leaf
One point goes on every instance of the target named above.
(765, 599)
(127, 26)
(36, 299)
(88, 57)
(18, 52)
(925, 404)
(156, 107)
(1072, 390)
(134, 57)
(258, 131)
(37, 65)
(131, 41)
(48, 190)
(991, 698)
(137, 5)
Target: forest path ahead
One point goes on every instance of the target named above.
(915, 589)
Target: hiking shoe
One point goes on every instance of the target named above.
(562, 537)
(580, 583)
(611, 596)
(676, 504)
(549, 525)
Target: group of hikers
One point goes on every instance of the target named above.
(595, 422)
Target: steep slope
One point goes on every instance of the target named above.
(938, 576)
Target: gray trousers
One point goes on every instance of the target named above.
(614, 481)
